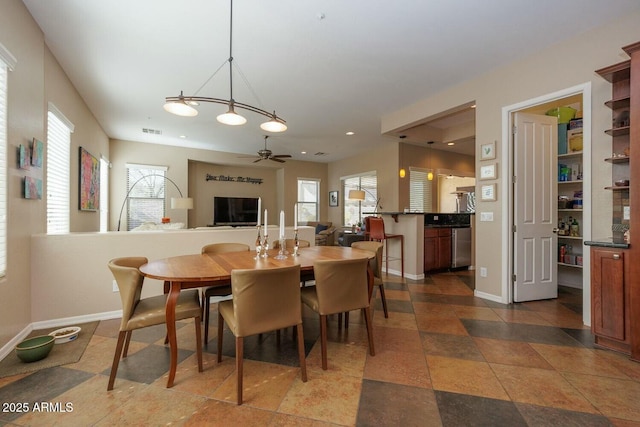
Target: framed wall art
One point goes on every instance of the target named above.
(333, 198)
(32, 188)
(488, 171)
(37, 153)
(89, 182)
(488, 151)
(488, 192)
(24, 157)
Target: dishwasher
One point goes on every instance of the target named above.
(460, 247)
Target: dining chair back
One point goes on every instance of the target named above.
(341, 286)
(264, 300)
(376, 266)
(222, 290)
(140, 312)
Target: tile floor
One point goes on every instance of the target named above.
(443, 357)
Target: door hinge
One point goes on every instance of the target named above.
(513, 228)
(514, 129)
(513, 277)
(514, 179)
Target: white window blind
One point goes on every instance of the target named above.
(353, 209)
(58, 172)
(3, 169)
(420, 194)
(146, 194)
(104, 195)
(308, 199)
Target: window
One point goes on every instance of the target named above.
(420, 195)
(145, 194)
(354, 209)
(3, 166)
(104, 195)
(308, 200)
(59, 131)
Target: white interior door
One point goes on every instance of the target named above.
(535, 207)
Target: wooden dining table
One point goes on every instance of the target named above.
(199, 270)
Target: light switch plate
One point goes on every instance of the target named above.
(626, 212)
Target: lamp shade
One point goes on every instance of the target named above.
(231, 117)
(181, 203)
(180, 108)
(273, 125)
(356, 194)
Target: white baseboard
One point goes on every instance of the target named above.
(67, 321)
(406, 275)
(490, 297)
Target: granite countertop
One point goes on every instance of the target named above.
(608, 242)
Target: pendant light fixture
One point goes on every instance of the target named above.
(184, 105)
(430, 173)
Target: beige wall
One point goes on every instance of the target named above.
(188, 168)
(36, 80)
(565, 65)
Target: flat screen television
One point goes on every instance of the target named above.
(235, 211)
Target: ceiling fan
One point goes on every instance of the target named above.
(266, 154)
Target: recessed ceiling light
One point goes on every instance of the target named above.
(351, 133)
(473, 106)
(303, 152)
(451, 143)
(183, 136)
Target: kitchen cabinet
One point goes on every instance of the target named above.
(615, 276)
(610, 298)
(437, 248)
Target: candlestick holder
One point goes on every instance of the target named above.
(296, 243)
(281, 249)
(258, 245)
(265, 246)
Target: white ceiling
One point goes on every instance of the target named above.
(327, 67)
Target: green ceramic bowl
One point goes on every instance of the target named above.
(36, 348)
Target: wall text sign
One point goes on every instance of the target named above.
(229, 178)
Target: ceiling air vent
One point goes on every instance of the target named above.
(152, 131)
(320, 153)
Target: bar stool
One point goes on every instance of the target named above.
(375, 229)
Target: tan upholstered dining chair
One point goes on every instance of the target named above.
(341, 286)
(221, 289)
(376, 267)
(139, 312)
(263, 300)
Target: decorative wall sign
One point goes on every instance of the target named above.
(333, 198)
(488, 151)
(32, 188)
(229, 178)
(37, 153)
(488, 171)
(89, 182)
(488, 192)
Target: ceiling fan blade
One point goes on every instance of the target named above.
(276, 160)
(256, 161)
(282, 156)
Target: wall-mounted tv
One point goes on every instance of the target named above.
(235, 211)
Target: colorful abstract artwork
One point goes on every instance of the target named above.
(24, 159)
(32, 188)
(89, 181)
(37, 153)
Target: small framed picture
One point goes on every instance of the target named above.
(488, 171)
(333, 198)
(488, 151)
(488, 192)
